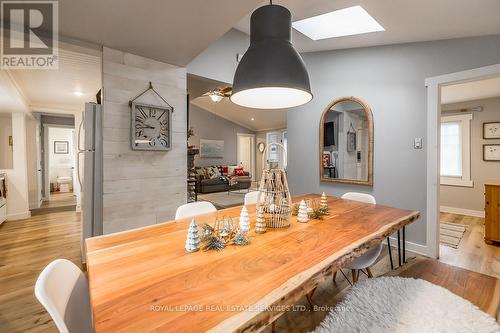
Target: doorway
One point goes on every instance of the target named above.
(246, 152)
(59, 158)
(454, 154)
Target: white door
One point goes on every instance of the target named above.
(246, 152)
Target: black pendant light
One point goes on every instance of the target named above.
(271, 74)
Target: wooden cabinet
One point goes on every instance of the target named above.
(492, 211)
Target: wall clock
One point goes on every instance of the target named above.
(261, 146)
(151, 127)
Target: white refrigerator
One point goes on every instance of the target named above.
(89, 169)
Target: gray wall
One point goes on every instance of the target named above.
(390, 79)
(207, 125)
(473, 197)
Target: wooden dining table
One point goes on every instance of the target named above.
(143, 280)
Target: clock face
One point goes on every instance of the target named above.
(151, 127)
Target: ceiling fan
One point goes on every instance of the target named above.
(216, 95)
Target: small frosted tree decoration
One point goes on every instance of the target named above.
(244, 220)
(302, 215)
(193, 239)
(323, 201)
(260, 221)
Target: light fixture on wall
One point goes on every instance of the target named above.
(271, 74)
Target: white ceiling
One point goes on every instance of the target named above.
(404, 21)
(470, 91)
(170, 31)
(52, 90)
(263, 119)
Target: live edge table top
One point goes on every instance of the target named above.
(143, 280)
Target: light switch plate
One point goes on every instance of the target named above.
(417, 143)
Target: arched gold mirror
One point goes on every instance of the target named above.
(346, 142)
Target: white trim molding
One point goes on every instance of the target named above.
(434, 85)
(19, 216)
(461, 211)
(410, 246)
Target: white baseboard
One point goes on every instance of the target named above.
(18, 216)
(461, 211)
(412, 247)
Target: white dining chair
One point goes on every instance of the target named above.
(367, 259)
(251, 198)
(63, 290)
(193, 209)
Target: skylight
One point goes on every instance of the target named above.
(343, 22)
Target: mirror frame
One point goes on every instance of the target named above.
(369, 116)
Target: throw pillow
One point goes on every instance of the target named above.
(239, 172)
(213, 172)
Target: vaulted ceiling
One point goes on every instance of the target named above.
(404, 21)
(176, 31)
(169, 31)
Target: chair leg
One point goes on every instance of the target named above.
(354, 275)
(369, 272)
(311, 294)
(273, 327)
(345, 276)
(309, 300)
(390, 252)
(334, 276)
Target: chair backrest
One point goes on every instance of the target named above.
(362, 197)
(251, 198)
(193, 209)
(63, 290)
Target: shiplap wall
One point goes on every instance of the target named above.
(141, 187)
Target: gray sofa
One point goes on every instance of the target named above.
(222, 183)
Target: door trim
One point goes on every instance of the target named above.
(252, 151)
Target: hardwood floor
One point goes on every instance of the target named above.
(472, 253)
(26, 247)
(60, 199)
(59, 202)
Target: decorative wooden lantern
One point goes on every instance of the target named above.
(274, 196)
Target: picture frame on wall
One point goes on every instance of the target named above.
(61, 147)
(211, 148)
(491, 130)
(491, 153)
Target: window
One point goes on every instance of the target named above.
(455, 150)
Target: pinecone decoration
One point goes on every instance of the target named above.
(323, 201)
(260, 221)
(193, 239)
(302, 216)
(244, 220)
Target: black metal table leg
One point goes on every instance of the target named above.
(390, 252)
(399, 248)
(404, 246)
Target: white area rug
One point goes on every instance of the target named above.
(395, 304)
(450, 234)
